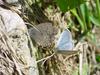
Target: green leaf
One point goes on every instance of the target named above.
(85, 14)
(95, 20)
(98, 8)
(66, 5)
(74, 12)
(98, 58)
(63, 5)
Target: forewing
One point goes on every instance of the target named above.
(65, 41)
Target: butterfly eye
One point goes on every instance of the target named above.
(65, 41)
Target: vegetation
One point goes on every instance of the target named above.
(81, 17)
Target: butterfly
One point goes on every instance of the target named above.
(44, 34)
(65, 43)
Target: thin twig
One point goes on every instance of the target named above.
(46, 58)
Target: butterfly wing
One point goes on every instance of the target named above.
(36, 35)
(65, 43)
(43, 34)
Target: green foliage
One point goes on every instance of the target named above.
(98, 58)
(95, 14)
(94, 20)
(97, 2)
(87, 17)
(66, 5)
(74, 12)
(83, 16)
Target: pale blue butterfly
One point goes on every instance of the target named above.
(65, 42)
